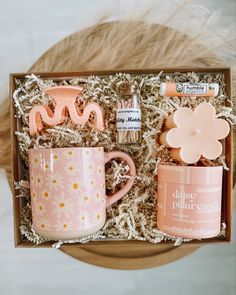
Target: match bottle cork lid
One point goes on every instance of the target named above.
(126, 89)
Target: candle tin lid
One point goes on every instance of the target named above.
(193, 175)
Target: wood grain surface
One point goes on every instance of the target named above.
(70, 55)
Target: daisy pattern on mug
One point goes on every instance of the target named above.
(83, 218)
(87, 152)
(55, 156)
(91, 167)
(98, 216)
(92, 183)
(71, 168)
(33, 194)
(46, 194)
(100, 154)
(62, 206)
(38, 180)
(43, 224)
(97, 196)
(63, 225)
(39, 208)
(103, 186)
(69, 153)
(86, 199)
(46, 166)
(100, 171)
(74, 186)
(35, 161)
(55, 181)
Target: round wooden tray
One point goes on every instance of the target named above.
(102, 48)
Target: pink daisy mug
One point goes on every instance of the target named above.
(68, 193)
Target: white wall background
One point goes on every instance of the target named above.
(27, 29)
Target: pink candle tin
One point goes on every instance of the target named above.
(189, 201)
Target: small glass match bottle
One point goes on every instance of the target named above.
(128, 114)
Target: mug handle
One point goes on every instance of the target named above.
(118, 195)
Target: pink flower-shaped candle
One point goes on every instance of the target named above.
(195, 134)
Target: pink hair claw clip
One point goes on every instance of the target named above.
(65, 98)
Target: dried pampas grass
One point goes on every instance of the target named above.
(136, 45)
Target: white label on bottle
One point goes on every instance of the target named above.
(196, 89)
(128, 119)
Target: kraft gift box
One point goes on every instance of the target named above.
(17, 164)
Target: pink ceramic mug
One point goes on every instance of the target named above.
(68, 190)
(189, 201)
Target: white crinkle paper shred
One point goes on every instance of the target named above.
(134, 217)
